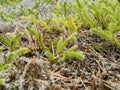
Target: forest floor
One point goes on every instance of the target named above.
(100, 69)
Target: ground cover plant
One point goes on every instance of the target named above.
(8, 2)
(75, 47)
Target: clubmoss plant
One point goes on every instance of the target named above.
(14, 47)
(14, 54)
(57, 49)
(62, 44)
(8, 2)
(70, 23)
(33, 12)
(108, 35)
(61, 8)
(38, 36)
(57, 10)
(8, 16)
(40, 2)
(37, 4)
(29, 12)
(40, 22)
(58, 52)
(11, 40)
(24, 11)
(100, 16)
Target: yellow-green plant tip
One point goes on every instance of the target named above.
(73, 48)
(1, 48)
(17, 53)
(4, 40)
(49, 55)
(14, 41)
(35, 13)
(104, 34)
(4, 67)
(60, 41)
(10, 35)
(38, 36)
(2, 81)
(37, 4)
(78, 55)
(32, 31)
(66, 42)
(55, 20)
(40, 22)
(40, 41)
